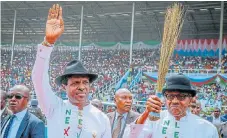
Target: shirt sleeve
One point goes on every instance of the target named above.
(48, 101)
(138, 130)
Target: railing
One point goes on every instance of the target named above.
(105, 89)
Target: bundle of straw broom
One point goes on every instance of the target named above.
(174, 19)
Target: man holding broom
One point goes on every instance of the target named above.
(177, 121)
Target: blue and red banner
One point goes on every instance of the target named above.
(200, 47)
(196, 79)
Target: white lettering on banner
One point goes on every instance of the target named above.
(166, 125)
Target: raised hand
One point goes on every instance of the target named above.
(153, 104)
(54, 24)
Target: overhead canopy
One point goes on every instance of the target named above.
(109, 21)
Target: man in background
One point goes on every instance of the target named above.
(123, 114)
(195, 107)
(215, 119)
(34, 109)
(21, 124)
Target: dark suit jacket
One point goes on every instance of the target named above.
(132, 116)
(30, 127)
(5, 116)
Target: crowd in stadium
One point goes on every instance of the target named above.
(108, 63)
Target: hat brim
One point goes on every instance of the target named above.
(180, 88)
(92, 77)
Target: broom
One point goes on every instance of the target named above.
(174, 19)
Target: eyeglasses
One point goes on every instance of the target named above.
(17, 96)
(216, 111)
(195, 107)
(180, 97)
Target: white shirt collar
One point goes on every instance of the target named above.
(124, 115)
(20, 115)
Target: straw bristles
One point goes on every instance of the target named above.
(172, 27)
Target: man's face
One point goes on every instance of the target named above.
(18, 101)
(195, 108)
(216, 113)
(78, 89)
(177, 103)
(123, 101)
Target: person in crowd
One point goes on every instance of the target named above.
(34, 109)
(196, 107)
(97, 103)
(5, 112)
(177, 121)
(75, 117)
(215, 119)
(21, 123)
(123, 114)
(109, 109)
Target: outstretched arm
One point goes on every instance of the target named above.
(40, 77)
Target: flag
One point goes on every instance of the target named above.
(122, 81)
(136, 79)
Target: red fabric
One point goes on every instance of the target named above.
(202, 44)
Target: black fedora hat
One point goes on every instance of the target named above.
(75, 67)
(180, 83)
